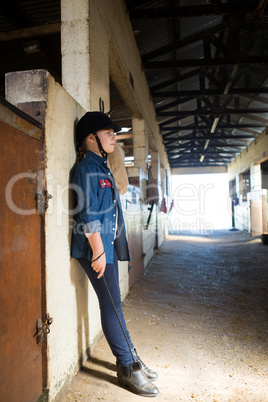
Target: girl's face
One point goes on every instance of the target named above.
(107, 138)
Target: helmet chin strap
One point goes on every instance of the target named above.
(103, 153)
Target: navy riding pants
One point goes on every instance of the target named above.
(110, 325)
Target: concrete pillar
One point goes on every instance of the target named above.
(155, 163)
(85, 49)
(163, 179)
(255, 177)
(75, 50)
(140, 144)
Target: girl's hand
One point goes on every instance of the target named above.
(99, 265)
(97, 248)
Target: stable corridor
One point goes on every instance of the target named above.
(199, 316)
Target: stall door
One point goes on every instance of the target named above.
(256, 217)
(20, 257)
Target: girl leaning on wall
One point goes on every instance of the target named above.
(99, 241)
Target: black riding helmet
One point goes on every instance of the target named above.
(90, 123)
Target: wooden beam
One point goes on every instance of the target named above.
(32, 32)
(123, 136)
(117, 102)
(122, 123)
(130, 146)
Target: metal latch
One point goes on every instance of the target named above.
(42, 329)
(47, 198)
(42, 200)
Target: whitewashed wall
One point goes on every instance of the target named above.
(71, 300)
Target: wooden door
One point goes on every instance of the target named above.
(20, 257)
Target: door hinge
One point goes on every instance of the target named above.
(42, 329)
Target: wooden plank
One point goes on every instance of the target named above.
(31, 32)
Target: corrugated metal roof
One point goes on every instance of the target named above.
(189, 26)
(169, 44)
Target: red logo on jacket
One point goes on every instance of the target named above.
(105, 183)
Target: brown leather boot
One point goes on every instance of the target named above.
(133, 377)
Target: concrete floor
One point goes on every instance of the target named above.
(199, 316)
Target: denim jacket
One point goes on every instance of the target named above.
(97, 209)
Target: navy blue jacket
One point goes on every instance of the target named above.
(97, 209)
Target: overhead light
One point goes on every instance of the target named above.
(31, 47)
(206, 144)
(226, 90)
(202, 157)
(230, 81)
(129, 161)
(214, 125)
(125, 129)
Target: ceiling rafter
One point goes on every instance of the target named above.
(196, 165)
(213, 112)
(181, 146)
(218, 137)
(197, 127)
(174, 103)
(205, 62)
(196, 156)
(196, 11)
(181, 77)
(213, 92)
(180, 43)
(223, 93)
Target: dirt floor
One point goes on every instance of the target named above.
(199, 317)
